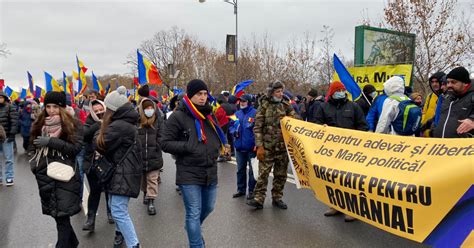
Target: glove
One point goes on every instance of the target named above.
(260, 153)
(41, 141)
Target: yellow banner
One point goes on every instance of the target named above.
(377, 75)
(403, 185)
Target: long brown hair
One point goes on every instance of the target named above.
(67, 126)
(147, 122)
(106, 120)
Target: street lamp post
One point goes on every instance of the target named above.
(234, 3)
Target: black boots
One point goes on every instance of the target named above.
(255, 204)
(279, 204)
(151, 207)
(118, 240)
(110, 219)
(90, 223)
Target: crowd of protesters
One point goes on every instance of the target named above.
(95, 131)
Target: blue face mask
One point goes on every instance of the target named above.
(339, 95)
(149, 112)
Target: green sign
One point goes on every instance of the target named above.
(377, 46)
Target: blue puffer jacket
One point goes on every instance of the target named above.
(244, 138)
(375, 111)
(25, 123)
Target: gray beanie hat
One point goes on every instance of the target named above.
(116, 98)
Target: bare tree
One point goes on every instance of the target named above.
(441, 43)
(302, 59)
(327, 50)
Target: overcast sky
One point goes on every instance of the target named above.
(46, 35)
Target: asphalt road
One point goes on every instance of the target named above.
(232, 224)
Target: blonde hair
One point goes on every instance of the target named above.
(414, 95)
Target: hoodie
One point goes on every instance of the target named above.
(429, 108)
(393, 87)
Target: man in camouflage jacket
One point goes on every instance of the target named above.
(271, 151)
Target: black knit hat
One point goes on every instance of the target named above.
(313, 93)
(55, 97)
(368, 89)
(194, 86)
(246, 98)
(460, 74)
(144, 91)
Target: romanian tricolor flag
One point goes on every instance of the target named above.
(238, 89)
(39, 92)
(68, 89)
(215, 105)
(108, 89)
(351, 86)
(11, 94)
(147, 71)
(97, 85)
(82, 82)
(31, 85)
(23, 93)
(51, 83)
(75, 75)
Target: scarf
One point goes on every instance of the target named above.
(199, 124)
(52, 126)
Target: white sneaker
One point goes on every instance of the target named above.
(9, 182)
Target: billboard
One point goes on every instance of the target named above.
(377, 46)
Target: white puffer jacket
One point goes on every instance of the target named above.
(394, 86)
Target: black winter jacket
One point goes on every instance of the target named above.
(59, 199)
(119, 137)
(9, 119)
(150, 145)
(195, 161)
(456, 108)
(341, 113)
(91, 129)
(311, 109)
(364, 104)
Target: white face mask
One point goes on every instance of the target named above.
(339, 95)
(373, 94)
(149, 112)
(277, 99)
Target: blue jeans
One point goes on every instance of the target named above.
(7, 149)
(244, 159)
(199, 202)
(80, 163)
(123, 222)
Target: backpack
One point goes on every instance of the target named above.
(408, 120)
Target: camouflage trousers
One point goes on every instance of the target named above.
(279, 162)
